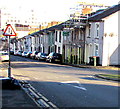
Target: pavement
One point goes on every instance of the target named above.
(15, 96)
(113, 68)
(11, 93)
(96, 67)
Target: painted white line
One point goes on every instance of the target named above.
(79, 84)
(80, 87)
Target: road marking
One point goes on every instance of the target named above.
(80, 87)
(79, 84)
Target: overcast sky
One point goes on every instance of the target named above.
(49, 10)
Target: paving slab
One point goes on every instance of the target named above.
(12, 96)
(16, 98)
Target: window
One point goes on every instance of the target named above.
(58, 49)
(72, 35)
(39, 39)
(97, 30)
(56, 36)
(75, 32)
(81, 35)
(89, 30)
(96, 50)
(60, 36)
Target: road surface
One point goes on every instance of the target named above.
(67, 86)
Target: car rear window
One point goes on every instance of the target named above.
(43, 54)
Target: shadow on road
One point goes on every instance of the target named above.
(68, 95)
(89, 78)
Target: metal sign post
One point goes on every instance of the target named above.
(9, 64)
(9, 31)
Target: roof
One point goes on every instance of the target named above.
(46, 30)
(102, 14)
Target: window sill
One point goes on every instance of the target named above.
(96, 37)
(88, 36)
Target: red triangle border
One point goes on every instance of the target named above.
(6, 30)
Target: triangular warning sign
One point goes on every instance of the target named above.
(9, 31)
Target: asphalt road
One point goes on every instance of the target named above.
(67, 86)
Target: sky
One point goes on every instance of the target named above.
(49, 10)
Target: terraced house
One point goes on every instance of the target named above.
(102, 36)
(80, 40)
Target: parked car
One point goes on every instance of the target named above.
(18, 53)
(28, 54)
(4, 56)
(41, 56)
(54, 57)
(34, 54)
(24, 54)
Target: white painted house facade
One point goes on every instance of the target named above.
(94, 41)
(110, 41)
(102, 36)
